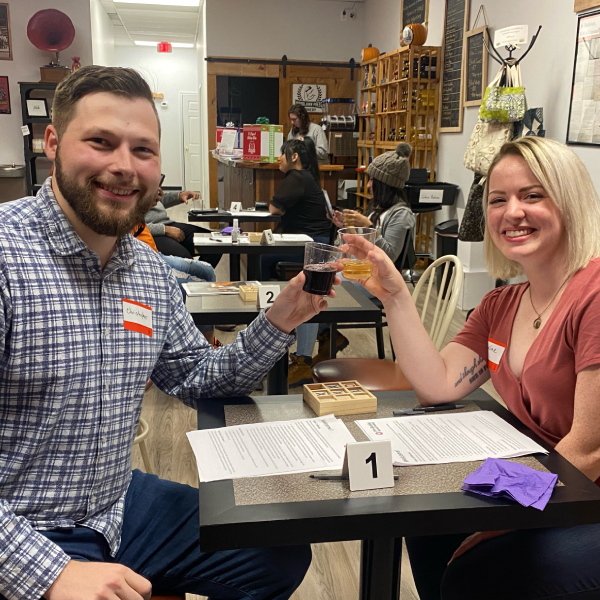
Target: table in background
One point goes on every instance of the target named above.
(293, 509)
(246, 216)
(253, 250)
(349, 306)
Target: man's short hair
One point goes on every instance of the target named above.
(92, 79)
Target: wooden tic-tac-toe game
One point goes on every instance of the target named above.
(339, 398)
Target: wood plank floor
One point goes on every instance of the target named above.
(334, 573)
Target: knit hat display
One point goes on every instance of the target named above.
(393, 167)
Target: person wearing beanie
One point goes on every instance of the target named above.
(390, 214)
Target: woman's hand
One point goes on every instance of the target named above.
(353, 218)
(385, 281)
(474, 539)
(338, 219)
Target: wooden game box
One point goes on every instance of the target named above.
(339, 398)
(248, 293)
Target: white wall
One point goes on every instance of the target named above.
(309, 29)
(170, 74)
(547, 73)
(27, 59)
(103, 36)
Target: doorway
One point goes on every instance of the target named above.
(243, 99)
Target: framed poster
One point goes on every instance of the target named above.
(5, 41)
(584, 109)
(413, 11)
(4, 96)
(37, 107)
(456, 19)
(476, 66)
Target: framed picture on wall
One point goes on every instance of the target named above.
(4, 96)
(583, 124)
(37, 107)
(5, 41)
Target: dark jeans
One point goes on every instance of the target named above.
(533, 564)
(269, 262)
(185, 248)
(160, 542)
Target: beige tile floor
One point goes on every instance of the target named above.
(334, 573)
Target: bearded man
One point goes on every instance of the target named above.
(87, 315)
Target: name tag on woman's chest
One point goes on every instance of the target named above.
(495, 351)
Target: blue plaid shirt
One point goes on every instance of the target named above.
(72, 380)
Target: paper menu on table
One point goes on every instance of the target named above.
(460, 437)
(274, 448)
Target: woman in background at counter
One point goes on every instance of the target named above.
(299, 200)
(302, 127)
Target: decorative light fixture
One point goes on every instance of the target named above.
(193, 3)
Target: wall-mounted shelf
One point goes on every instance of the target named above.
(30, 156)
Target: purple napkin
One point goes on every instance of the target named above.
(503, 479)
(229, 230)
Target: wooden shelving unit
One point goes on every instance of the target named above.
(367, 106)
(407, 100)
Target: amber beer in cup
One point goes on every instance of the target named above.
(320, 267)
(354, 267)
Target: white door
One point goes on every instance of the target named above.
(192, 161)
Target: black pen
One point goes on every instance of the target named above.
(426, 409)
(335, 477)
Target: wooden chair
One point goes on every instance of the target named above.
(140, 438)
(381, 375)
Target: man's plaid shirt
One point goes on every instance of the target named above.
(72, 380)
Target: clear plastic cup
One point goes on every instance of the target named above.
(320, 267)
(355, 267)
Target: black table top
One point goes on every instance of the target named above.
(349, 306)
(225, 525)
(227, 217)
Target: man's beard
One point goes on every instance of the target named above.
(116, 221)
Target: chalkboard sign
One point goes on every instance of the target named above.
(455, 23)
(476, 60)
(413, 11)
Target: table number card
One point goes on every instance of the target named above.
(369, 465)
(267, 295)
(235, 207)
(267, 238)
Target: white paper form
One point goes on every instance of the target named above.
(461, 437)
(274, 448)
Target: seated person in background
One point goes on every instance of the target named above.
(299, 200)
(303, 128)
(87, 316)
(390, 214)
(539, 341)
(172, 238)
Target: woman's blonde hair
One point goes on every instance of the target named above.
(568, 184)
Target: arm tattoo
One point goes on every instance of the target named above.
(473, 372)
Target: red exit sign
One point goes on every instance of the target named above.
(164, 47)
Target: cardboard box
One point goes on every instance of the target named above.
(262, 143)
(248, 293)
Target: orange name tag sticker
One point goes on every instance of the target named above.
(137, 317)
(495, 352)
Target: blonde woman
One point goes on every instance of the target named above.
(540, 343)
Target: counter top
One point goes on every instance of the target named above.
(251, 164)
